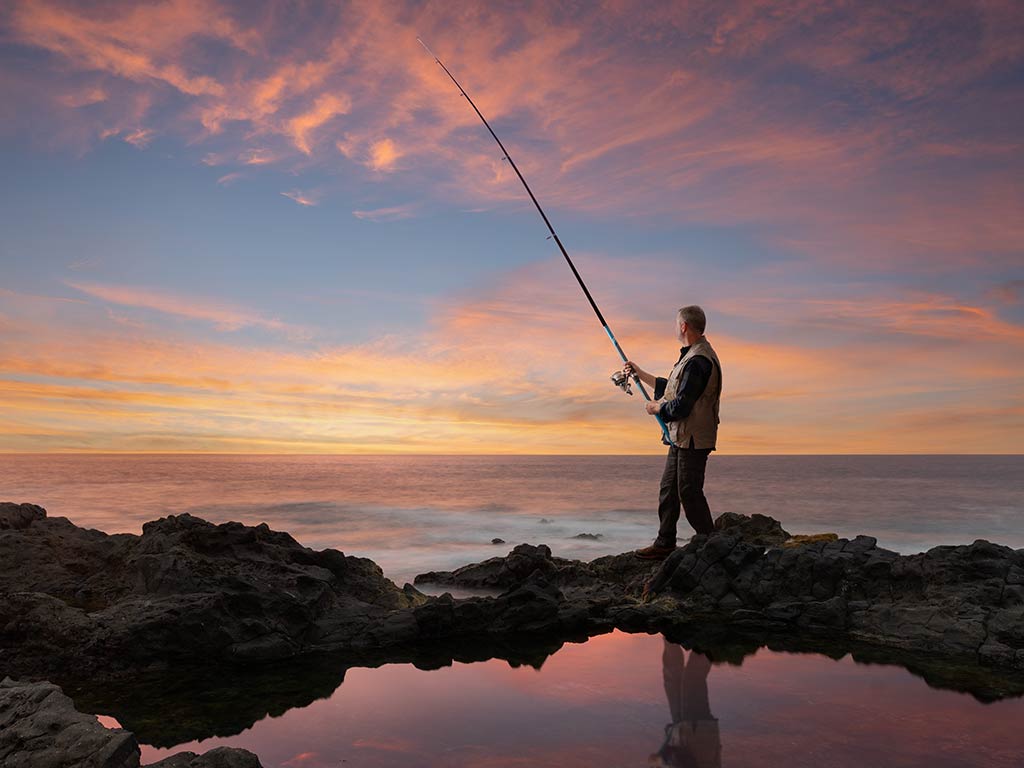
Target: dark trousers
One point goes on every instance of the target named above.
(682, 483)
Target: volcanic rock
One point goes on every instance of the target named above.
(755, 529)
(78, 605)
(72, 598)
(39, 726)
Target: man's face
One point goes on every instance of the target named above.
(680, 330)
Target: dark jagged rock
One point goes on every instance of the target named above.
(589, 536)
(220, 757)
(76, 599)
(756, 529)
(497, 541)
(80, 605)
(16, 516)
(963, 602)
(39, 726)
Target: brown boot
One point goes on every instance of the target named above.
(654, 552)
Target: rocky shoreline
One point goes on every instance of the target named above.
(79, 606)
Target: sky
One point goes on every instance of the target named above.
(277, 227)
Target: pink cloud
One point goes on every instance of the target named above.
(593, 116)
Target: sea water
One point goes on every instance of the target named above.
(412, 514)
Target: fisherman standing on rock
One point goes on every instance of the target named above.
(687, 402)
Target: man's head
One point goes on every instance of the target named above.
(690, 324)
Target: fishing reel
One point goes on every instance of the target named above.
(621, 380)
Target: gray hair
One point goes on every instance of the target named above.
(694, 317)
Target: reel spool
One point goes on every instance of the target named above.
(621, 380)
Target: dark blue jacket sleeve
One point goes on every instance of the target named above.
(660, 383)
(696, 375)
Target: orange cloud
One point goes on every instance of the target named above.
(597, 120)
(129, 43)
(324, 109)
(521, 367)
(383, 155)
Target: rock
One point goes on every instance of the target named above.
(811, 538)
(755, 529)
(497, 541)
(79, 605)
(17, 516)
(76, 600)
(589, 536)
(40, 728)
(221, 757)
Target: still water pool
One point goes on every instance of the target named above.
(624, 700)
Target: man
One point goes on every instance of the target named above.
(691, 739)
(687, 402)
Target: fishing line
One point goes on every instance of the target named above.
(621, 382)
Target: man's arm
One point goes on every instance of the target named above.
(696, 374)
(630, 368)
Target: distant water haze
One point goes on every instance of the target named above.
(416, 513)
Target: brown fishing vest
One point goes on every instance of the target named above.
(702, 423)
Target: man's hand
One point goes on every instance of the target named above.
(652, 407)
(632, 369)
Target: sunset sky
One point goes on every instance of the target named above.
(277, 226)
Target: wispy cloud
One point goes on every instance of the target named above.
(390, 213)
(88, 369)
(326, 107)
(300, 197)
(847, 161)
(140, 137)
(223, 316)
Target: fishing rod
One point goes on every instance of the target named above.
(619, 378)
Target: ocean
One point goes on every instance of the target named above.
(412, 514)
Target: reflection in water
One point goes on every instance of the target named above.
(609, 702)
(691, 739)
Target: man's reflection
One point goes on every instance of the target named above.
(691, 739)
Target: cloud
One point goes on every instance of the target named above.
(324, 109)
(392, 213)
(830, 128)
(300, 197)
(139, 44)
(803, 383)
(383, 155)
(140, 137)
(224, 316)
(1008, 292)
(82, 98)
(259, 156)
